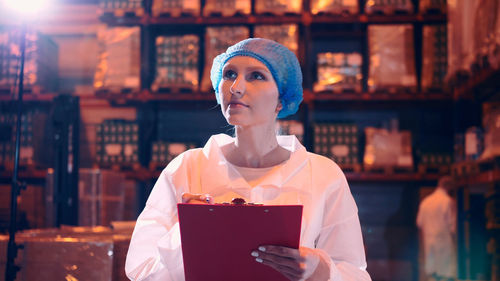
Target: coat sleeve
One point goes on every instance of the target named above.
(155, 248)
(340, 242)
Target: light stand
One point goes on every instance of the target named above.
(11, 268)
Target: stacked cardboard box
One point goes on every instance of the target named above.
(176, 7)
(435, 60)
(337, 141)
(177, 63)
(334, 6)
(285, 34)
(226, 8)
(117, 142)
(40, 65)
(388, 6)
(339, 72)
(278, 7)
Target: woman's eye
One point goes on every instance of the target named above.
(258, 76)
(229, 74)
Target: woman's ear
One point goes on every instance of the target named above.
(279, 107)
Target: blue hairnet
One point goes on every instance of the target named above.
(280, 61)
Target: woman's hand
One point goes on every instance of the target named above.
(197, 198)
(295, 264)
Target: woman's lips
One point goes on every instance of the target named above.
(237, 104)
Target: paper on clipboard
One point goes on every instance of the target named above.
(217, 239)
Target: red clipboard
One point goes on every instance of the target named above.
(217, 239)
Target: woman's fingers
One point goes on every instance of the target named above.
(285, 260)
(197, 198)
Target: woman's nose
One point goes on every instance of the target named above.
(238, 86)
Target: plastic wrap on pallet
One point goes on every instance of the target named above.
(339, 72)
(217, 40)
(334, 6)
(387, 148)
(388, 6)
(226, 8)
(177, 62)
(460, 36)
(491, 124)
(434, 55)
(429, 6)
(176, 8)
(338, 141)
(290, 127)
(119, 59)
(101, 197)
(123, 5)
(392, 59)
(164, 152)
(117, 142)
(278, 7)
(485, 24)
(41, 64)
(285, 34)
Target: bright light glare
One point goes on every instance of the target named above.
(26, 7)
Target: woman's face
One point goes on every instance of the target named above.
(248, 92)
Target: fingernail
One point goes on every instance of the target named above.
(255, 254)
(258, 260)
(261, 248)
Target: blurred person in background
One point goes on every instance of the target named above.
(436, 221)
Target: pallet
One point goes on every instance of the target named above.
(338, 89)
(225, 14)
(351, 168)
(393, 90)
(30, 90)
(121, 13)
(464, 169)
(121, 167)
(433, 169)
(390, 170)
(278, 14)
(176, 13)
(174, 89)
(387, 10)
(489, 164)
(345, 11)
(115, 92)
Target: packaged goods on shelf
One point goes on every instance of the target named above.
(473, 36)
(226, 8)
(435, 61)
(41, 64)
(388, 7)
(334, 6)
(291, 127)
(7, 140)
(491, 123)
(339, 72)
(119, 60)
(164, 152)
(117, 142)
(432, 6)
(392, 59)
(176, 63)
(473, 143)
(100, 197)
(176, 8)
(337, 141)
(71, 253)
(278, 7)
(435, 159)
(285, 34)
(217, 40)
(121, 7)
(387, 148)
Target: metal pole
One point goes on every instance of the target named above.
(11, 268)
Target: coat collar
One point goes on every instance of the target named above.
(218, 173)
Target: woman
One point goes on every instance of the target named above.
(255, 81)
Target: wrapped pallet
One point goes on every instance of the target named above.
(122, 7)
(334, 7)
(392, 59)
(176, 63)
(339, 72)
(41, 64)
(434, 54)
(337, 141)
(118, 69)
(387, 148)
(117, 142)
(278, 7)
(285, 34)
(388, 7)
(176, 8)
(226, 8)
(217, 40)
